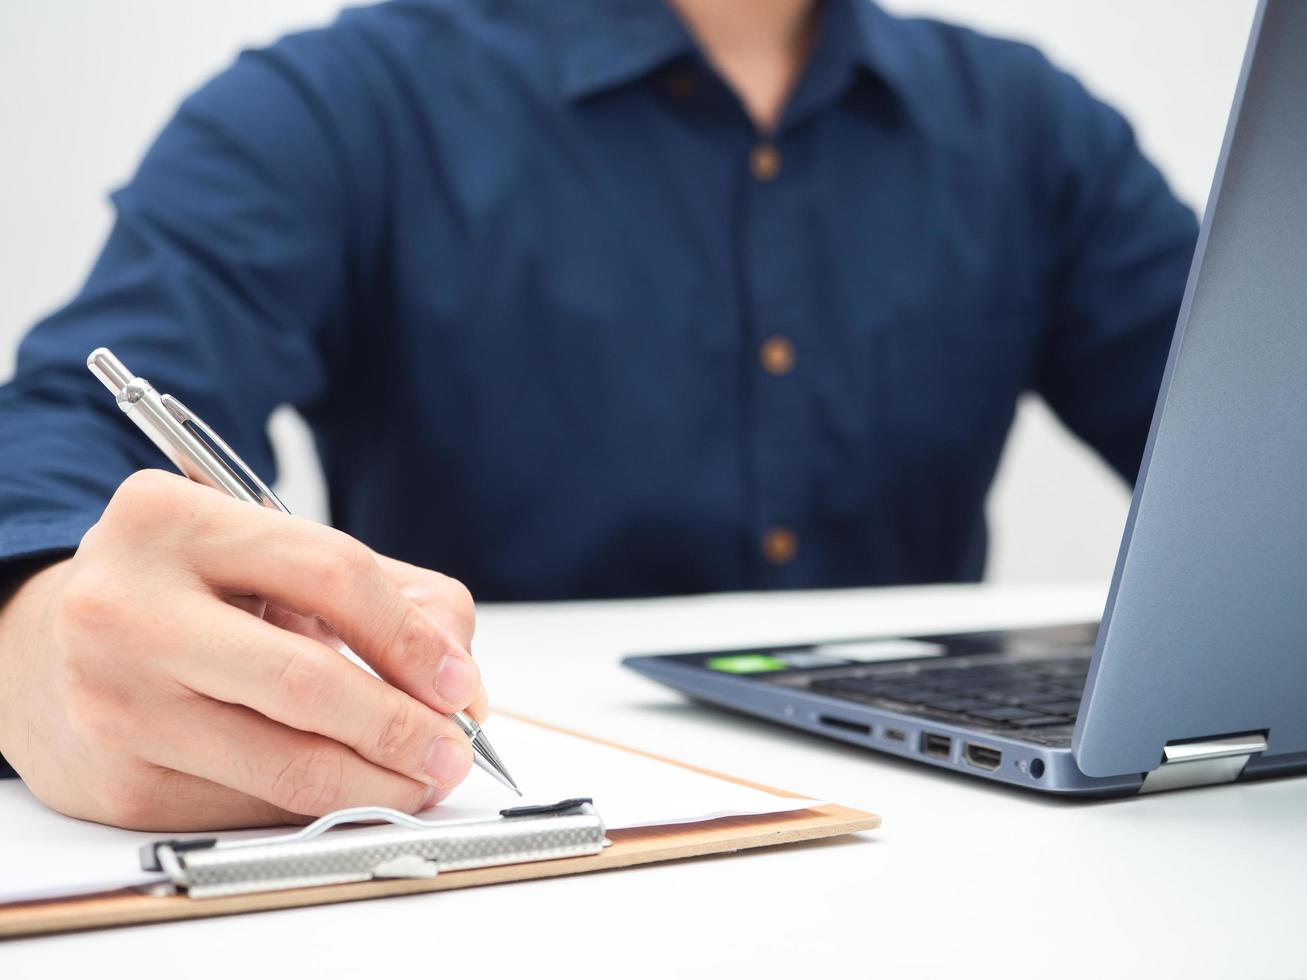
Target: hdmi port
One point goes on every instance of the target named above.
(983, 757)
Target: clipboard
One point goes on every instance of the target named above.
(579, 846)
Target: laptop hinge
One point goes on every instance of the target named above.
(1204, 762)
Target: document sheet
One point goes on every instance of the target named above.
(44, 854)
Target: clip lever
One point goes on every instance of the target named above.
(409, 848)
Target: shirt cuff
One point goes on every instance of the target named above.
(54, 536)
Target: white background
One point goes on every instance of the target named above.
(85, 84)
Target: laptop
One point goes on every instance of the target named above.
(1197, 673)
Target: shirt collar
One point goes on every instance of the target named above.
(879, 44)
(856, 40)
(607, 43)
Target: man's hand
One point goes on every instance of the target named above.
(178, 671)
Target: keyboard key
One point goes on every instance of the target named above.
(1003, 714)
(1040, 721)
(1014, 697)
(959, 705)
(911, 695)
(1046, 696)
(1060, 707)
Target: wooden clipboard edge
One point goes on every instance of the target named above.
(644, 845)
(652, 755)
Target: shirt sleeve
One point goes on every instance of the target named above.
(226, 280)
(1120, 246)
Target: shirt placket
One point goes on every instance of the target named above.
(779, 550)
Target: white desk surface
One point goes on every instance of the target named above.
(964, 877)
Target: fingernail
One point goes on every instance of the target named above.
(457, 680)
(449, 761)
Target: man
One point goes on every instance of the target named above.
(581, 298)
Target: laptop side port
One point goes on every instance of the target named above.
(895, 735)
(982, 756)
(844, 725)
(940, 746)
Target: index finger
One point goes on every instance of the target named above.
(314, 570)
(446, 599)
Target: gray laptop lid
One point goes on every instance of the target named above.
(1205, 631)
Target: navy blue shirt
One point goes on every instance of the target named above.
(565, 324)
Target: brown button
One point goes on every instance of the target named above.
(776, 355)
(780, 545)
(765, 161)
(680, 85)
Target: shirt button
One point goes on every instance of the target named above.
(680, 85)
(765, 162)
(777, 356)
(780, 545)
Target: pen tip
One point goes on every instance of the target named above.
(486, 757)
(508, 780)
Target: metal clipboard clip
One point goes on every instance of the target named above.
(407, 847)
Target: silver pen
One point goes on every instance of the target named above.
(203, 456)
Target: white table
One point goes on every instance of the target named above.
(964, 877)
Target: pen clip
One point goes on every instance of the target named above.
(227, 456)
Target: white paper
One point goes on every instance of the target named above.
(44, 854)
(628, 789)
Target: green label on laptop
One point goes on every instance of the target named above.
(745, 663)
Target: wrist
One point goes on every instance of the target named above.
(24, 590)
(15, 574)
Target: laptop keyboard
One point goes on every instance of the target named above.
(1017, 696)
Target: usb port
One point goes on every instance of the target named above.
(982, 756)
(937, 745)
